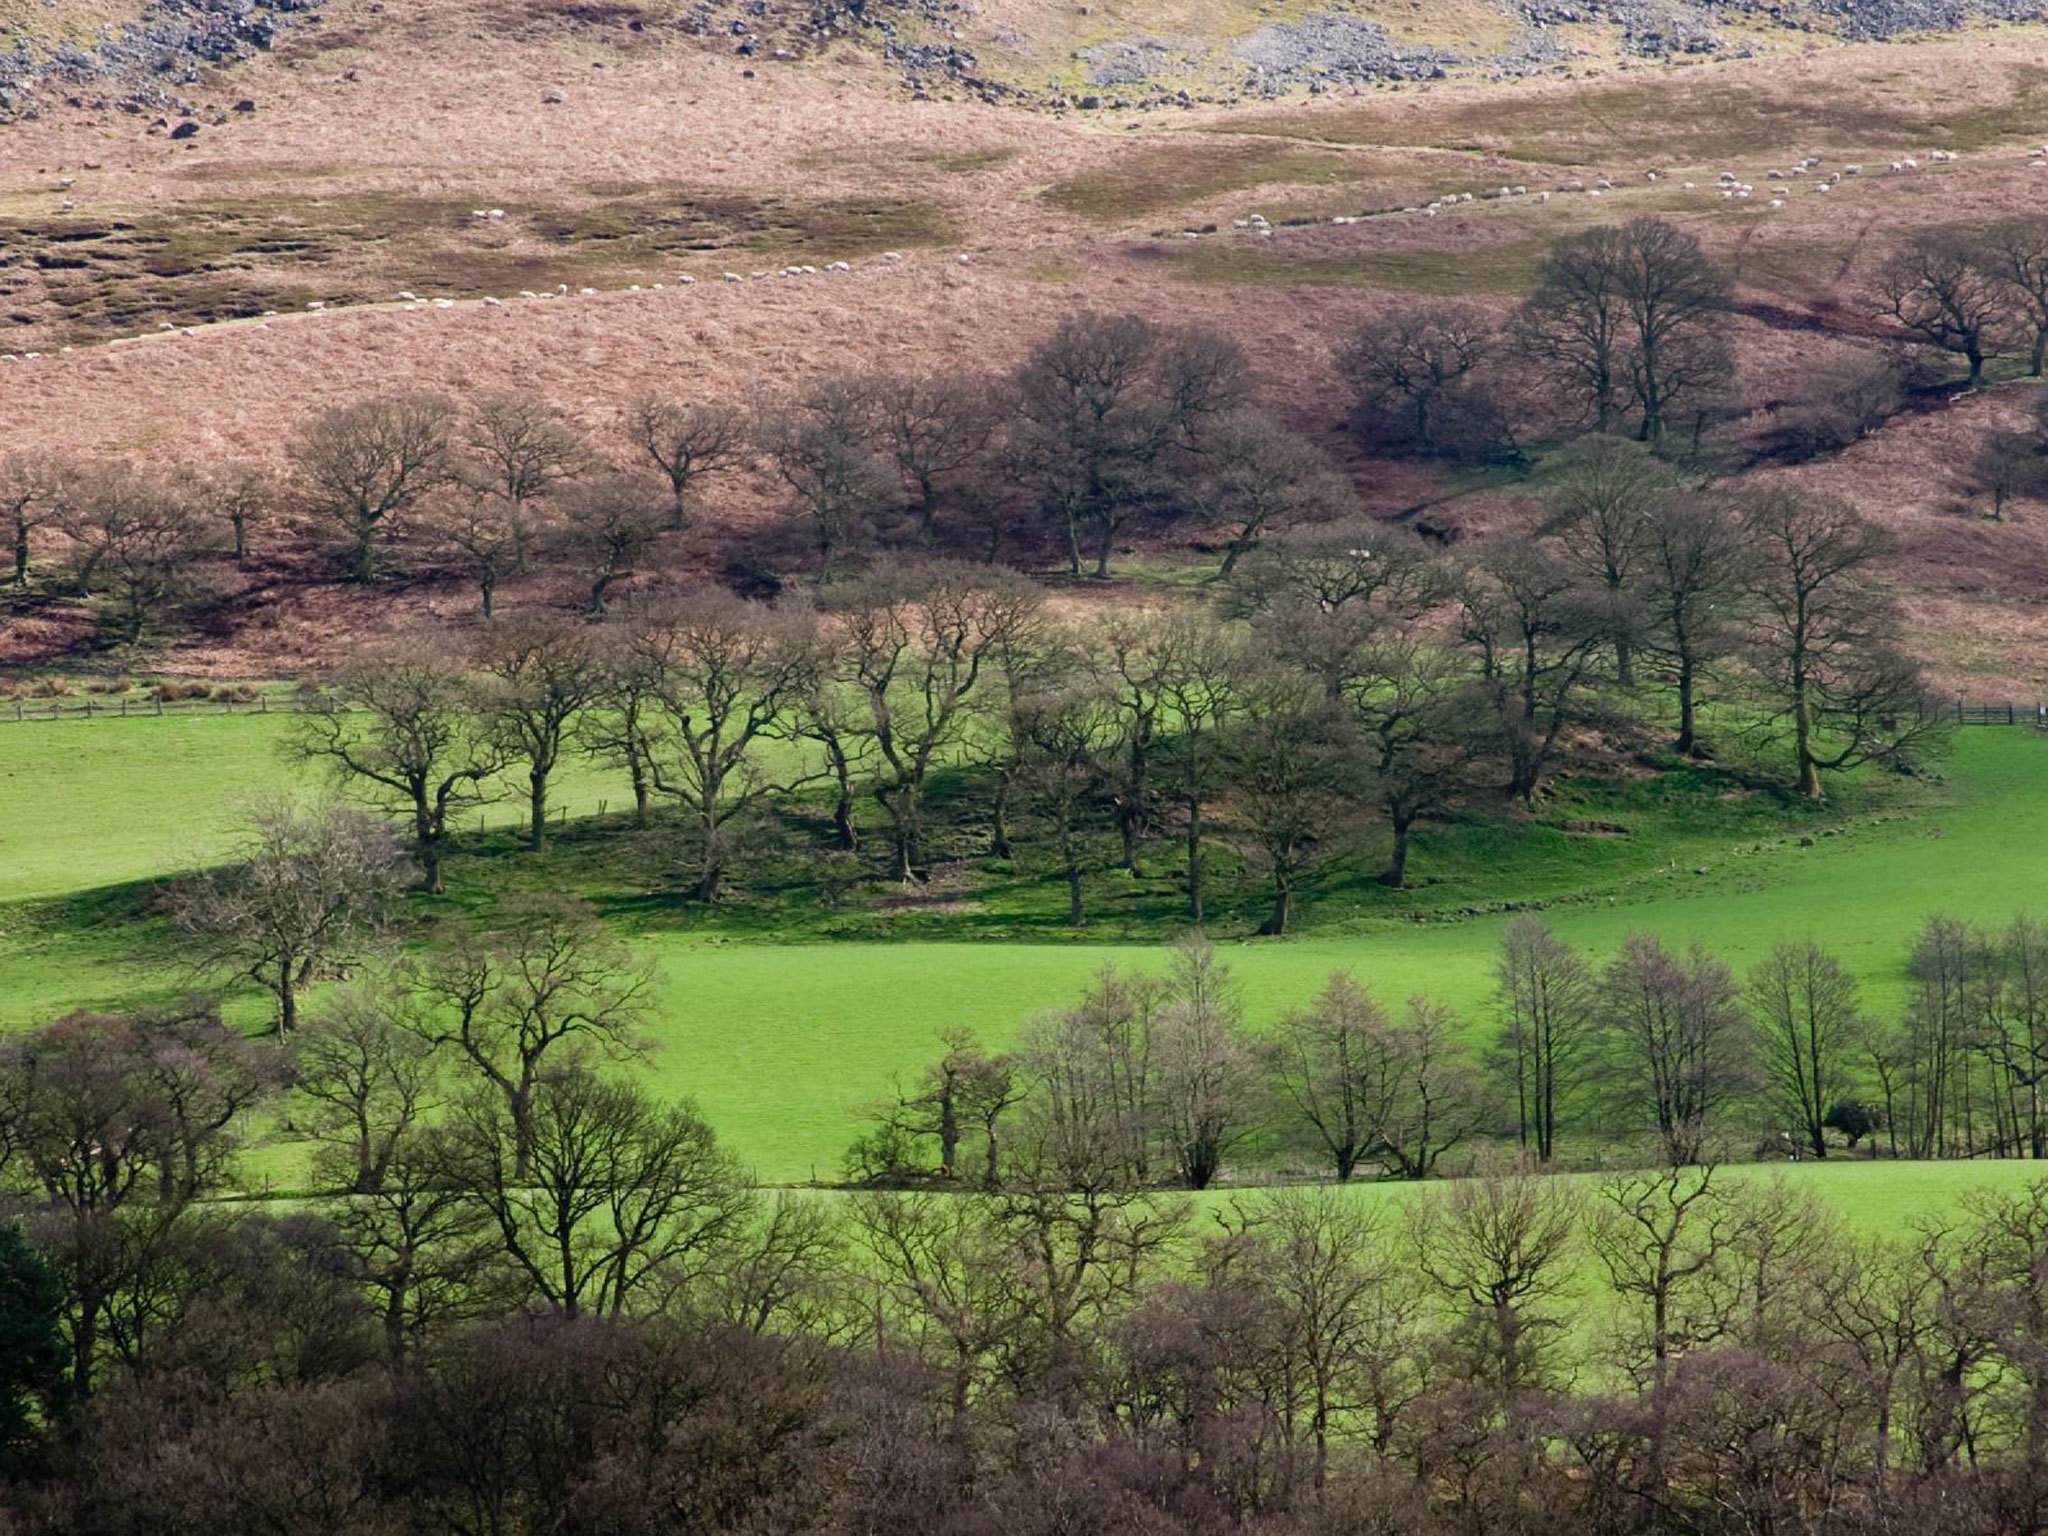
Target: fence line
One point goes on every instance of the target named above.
(1961, 711)
(23, 710)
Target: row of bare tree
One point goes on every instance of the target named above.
(1351, 678)
(1111, 421)
(1160, 1080)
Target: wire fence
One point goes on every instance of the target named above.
(2003, 712)
(24, 710)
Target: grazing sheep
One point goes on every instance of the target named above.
(1852, 170)
(497, 213)
(316, 304)
(493, 303)
(1542, 197)
(1650, 175)
(1910, 163)
(1691, 185)
(686, 279)
(408, 297)
(1777, 202)
(587, 292)
(732, 277)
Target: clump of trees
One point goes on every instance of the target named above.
(622, 1336)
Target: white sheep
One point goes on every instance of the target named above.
(408, 297)
(686, 279)
(732, 277)
(1852, 170)
(587, 292)
(1777, 202)
(1542, 197)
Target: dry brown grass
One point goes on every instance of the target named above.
(370, 146)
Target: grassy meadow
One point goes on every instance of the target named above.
(788, 1012)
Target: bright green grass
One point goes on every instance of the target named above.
(783, 1037)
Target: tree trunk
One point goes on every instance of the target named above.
(999, 818)
(489, 586)
(1194, 850)
(1802, 744)
(643, 792)
(1396, 875)
(363, 562)
(1283, 907)
(2037, 361)
(1105, 549)
(1687, 744)
(537, 809)
(287, 997)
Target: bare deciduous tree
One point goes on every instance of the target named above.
(916, 648)
(1600, 505)
(1288, 750)
(935, 429)
(1939, 287)
(479, 531)
(1543, 994)
(1678, 1045)
(369, 1070)
(1809, 1029)
(28, 492)
(1416, 373)
(1695, 562)
(540, 672)
(1628, 317)
(1103, 405)
(2015, 251)
(1825, 645)
(685, 443)
(365, 466)
(1539, 638)
(399, 724)
(1256, 477)
(601, 1195)
(301, 893)
(1205, 1073)
(610, 523)
(522, 1002)
(1498, 1247)
(722, 677)
(826, 446)
(521, 450)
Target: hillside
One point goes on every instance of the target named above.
(154, 290)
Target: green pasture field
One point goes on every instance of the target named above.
(786, 1015)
